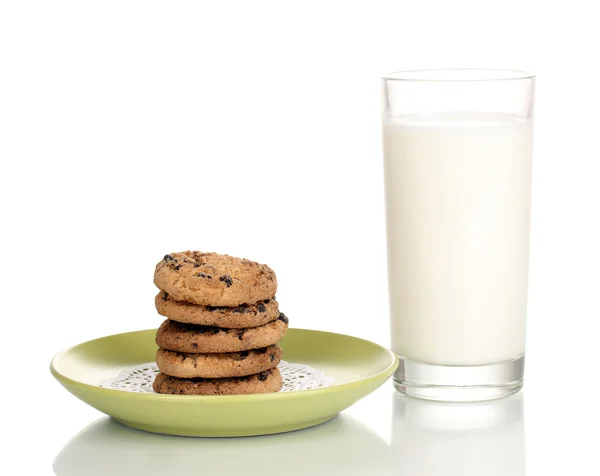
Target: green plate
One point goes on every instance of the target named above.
(357, 365)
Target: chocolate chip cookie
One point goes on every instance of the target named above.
(190, 338)
(245, 315)
(211, 279)
(233, 364)
(263, 382)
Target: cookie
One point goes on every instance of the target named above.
(193, 339)
(264, 382)
(211, 279)
(233, 364)
(245, 315)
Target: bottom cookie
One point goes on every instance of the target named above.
(268, 381)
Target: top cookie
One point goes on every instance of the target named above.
(211, 279)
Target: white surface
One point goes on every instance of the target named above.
(132, 128)
(458, 194)
(384, 434)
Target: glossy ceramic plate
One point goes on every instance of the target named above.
(357, 365)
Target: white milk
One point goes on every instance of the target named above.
(458, 199)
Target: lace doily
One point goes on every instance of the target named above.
(295, 377)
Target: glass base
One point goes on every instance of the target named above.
(446, 383)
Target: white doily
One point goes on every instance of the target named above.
(295, 377)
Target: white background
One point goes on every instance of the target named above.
(131, 129)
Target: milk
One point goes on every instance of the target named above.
(458, 206)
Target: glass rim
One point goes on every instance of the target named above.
(458, 75)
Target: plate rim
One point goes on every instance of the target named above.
(109, 392)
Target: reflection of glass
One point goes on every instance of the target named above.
(441, 439)
(340, 447)
(457, 155)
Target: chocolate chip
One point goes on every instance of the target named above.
(177, 268)
(209, 277)
(226, 279)
(239, 310)
(240, 334)
(204, 329)
(283, 317)
(272, 357)
(168, 257)
(261, 308)
(267, 301)
(194, 345)
(194, 328)
(196, 265)
(165, 296)
(263, 376)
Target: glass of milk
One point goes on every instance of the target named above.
(457, 160)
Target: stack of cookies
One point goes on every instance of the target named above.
(223, 325)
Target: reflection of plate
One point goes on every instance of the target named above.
(340, 447)
(357, 366)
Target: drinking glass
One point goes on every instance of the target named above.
(457, 165)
